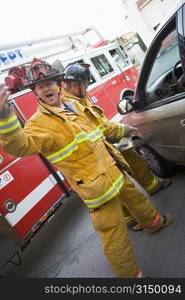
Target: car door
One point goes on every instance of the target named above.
(160, 117)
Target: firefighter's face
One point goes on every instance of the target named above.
(83, 88)
(80, 90)
(48, 92)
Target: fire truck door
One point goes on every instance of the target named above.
(29, 190)
(100, 97)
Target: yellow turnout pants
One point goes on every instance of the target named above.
(141, 173)
(140, 169)
(108, 221)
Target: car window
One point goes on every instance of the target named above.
(102, 65)
(160, 82)
(118, 58)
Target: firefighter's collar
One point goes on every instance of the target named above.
(67, 95)
(69, 106)
(46, 108)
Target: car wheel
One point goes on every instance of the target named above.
(155, 162)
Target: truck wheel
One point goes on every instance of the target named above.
(155, 162)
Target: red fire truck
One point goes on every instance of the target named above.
(31, 188)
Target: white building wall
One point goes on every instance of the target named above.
(137, 21)
(154, 11)
(149, 15)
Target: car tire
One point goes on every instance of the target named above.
(158, 165)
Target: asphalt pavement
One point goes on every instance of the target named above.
(68, 246)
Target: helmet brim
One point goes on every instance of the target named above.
(87, 66)
(55, 76)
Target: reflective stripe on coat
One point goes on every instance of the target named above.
(74, 145)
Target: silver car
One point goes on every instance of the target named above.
(157, 107)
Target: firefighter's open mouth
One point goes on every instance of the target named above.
(49, 95)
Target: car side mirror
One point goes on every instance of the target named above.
(125, 105)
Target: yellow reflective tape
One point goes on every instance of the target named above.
(94, 135)
(96, 138)
(128, 219)
(102, 127)
(7, 121)
(80, 133)
(61, 150)
(107, 199)
(122, 139)
(79, 138)
(123, 130)
(118, 135)
(117, 188)
(154, 183)
(12, 128)
(75, 141)
(99, 198)
(65, 155)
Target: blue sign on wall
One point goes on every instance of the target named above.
(8, 57)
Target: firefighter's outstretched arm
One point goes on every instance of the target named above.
(115, 132)
(4, 108)
(12, 137)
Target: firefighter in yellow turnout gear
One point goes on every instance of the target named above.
(76, 147)
(130, 161)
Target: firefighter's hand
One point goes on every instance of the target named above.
(130, 131)
(3, 97)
